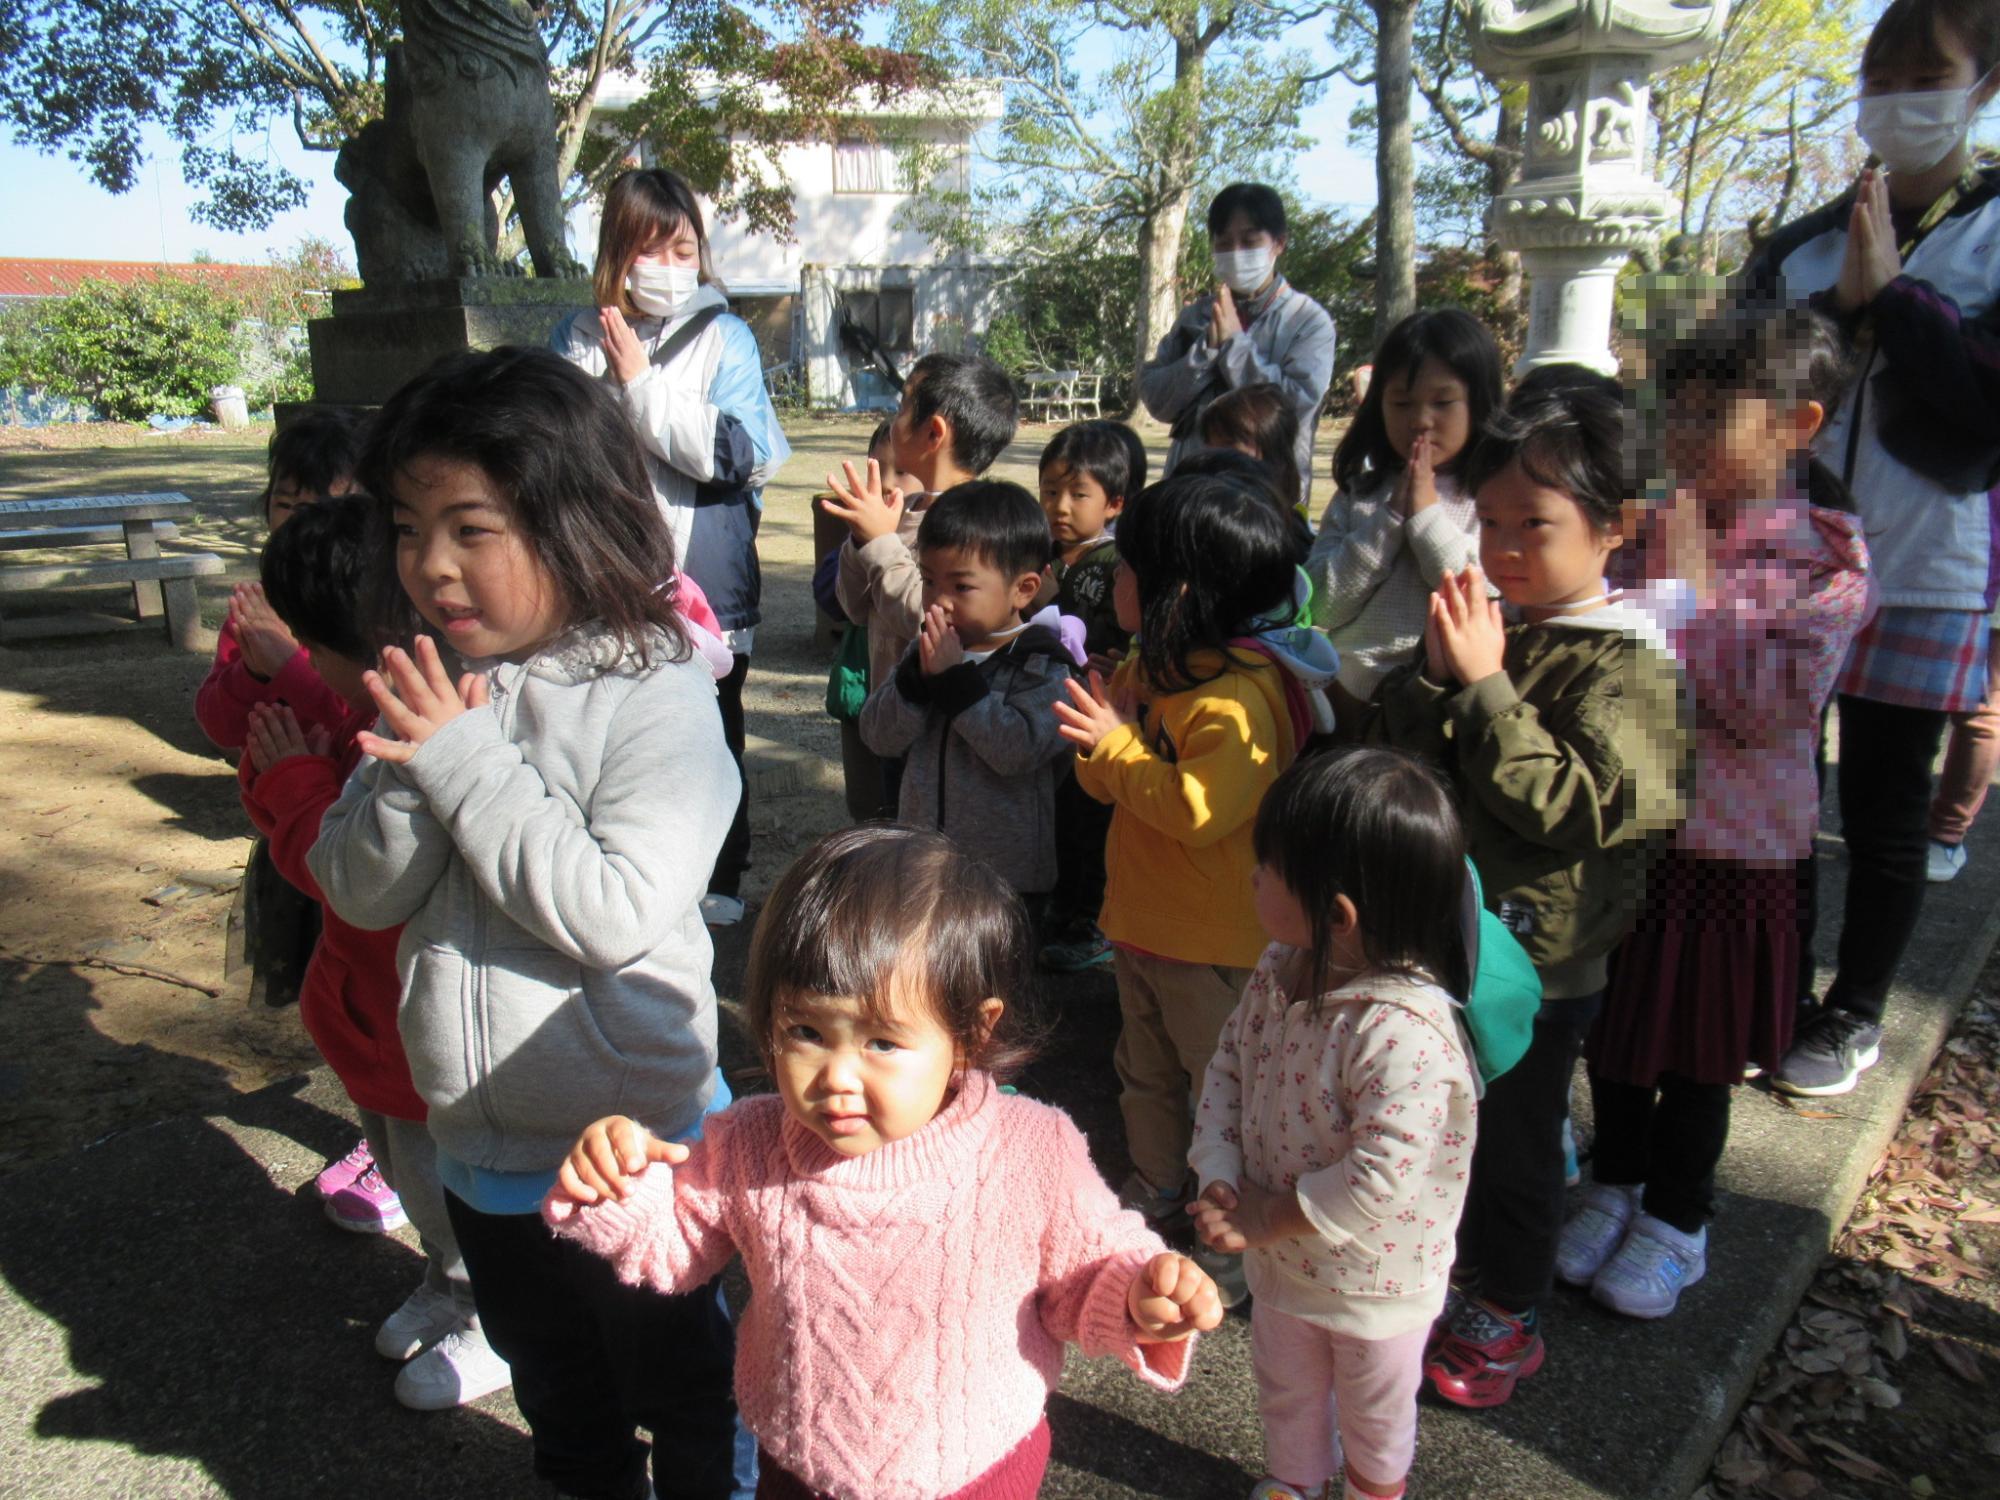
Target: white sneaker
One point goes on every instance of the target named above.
(424, 1318)
(1944, 862)
(1651, 1269)
(721, 911)
(1592, 1233)
(459, 1368)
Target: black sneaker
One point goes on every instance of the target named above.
(1831, 1052)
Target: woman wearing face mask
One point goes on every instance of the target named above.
(691, 378)
(1909, 262)
(1253, 328)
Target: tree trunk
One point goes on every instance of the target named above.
(1505, 166)
(1159, 286)
(1395, 171)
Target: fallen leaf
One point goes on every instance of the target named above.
(1961, 1361)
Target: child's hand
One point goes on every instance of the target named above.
(1171, 1298)
(869, 510)
(1684, 536)
(1418, 491)
(1471, 634)
(266, 644)
(1090, 714)
(417, 699)
(621, 346)
(1436, 666)
(608, 1155)
(274, 736)
(1247, 1217)
(938, 646)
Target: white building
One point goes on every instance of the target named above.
(855, 262)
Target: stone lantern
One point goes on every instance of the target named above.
(1586, 198)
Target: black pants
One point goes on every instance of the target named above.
(1885, 799)
(1514, 1201)
(1082, 825)
(593, 1359)
(1669, 1139)
(727, 879)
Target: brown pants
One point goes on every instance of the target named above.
(1173, 1014)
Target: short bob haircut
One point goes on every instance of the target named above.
(562, 450)
(1381, 829)
(315, 451)
(993, 520)
(976, 400)
(1108, 452)
(1260, 205)
(1783, 351)
(639, 208)
(866, 903)
(1570, 439)
(1259, 419)
(315, 573)
(1456, 340)
(1912, 32)
(1275, 484)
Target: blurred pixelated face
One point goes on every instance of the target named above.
(1077, 507)
(288, 497)
(466, 563)
(1536, 545)
(1432, 402)
(1279, 913)
(980, 601)
(1728, 445)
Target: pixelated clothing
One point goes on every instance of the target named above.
(1083, 589)
(880, 589)
(908, 1307)
(983, 751)
(1931, 659)
(1185, 781)
(223, 702)
(1364, 1107)
(1571, 762)
(1373, 573)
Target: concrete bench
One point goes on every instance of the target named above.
(76, 536)
(162, 587)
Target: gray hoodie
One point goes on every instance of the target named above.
(547, 856)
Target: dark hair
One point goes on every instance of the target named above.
(863, 902)
(1566, 375)
(976, 400)
(1105, 451)
(563, 450)
(993, 520)
(1209, 553)
(1784, 351)
(639, 207)
(315, 572)
(1259, 204)
(1908, 32)
(316, 450)
(881, 433)
(1379, 828)
(1571, 438)
(1456, 340)
(1263, 417)
(1267, 479)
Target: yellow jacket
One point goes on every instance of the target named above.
(1186, 781)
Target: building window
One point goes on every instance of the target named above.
(863, 166)
(887, 315)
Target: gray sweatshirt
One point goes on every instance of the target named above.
(547, 856)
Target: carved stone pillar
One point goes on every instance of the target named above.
(1586, 197)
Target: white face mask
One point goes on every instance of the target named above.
(661, 290)
(1912, 133)
(1244, 271)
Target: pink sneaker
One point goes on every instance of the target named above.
(367, 1205)
(336, 1175)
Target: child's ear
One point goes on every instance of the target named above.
(1113, 506)
(1804, 422)
(1025, 588)
(1346, 917)
(990, 1011)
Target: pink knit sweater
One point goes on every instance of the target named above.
(909, 1306)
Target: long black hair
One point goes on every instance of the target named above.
(1456, 340)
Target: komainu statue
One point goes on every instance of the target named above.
(466, 105)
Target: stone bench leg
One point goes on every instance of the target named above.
(148, 598)
(183, 614)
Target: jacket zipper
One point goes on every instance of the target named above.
(482, 1031)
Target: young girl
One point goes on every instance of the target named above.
(689, 375)
(1772, 592)
(1562, 731)
(1336, 1123)
(1399, 521)
(1213, 702)
(920, 1244)
(1259, 420)
(543, 828)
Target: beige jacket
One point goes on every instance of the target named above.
(878, 588)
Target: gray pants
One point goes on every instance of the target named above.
(407, 1159)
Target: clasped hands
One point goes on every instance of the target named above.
(1465, 638)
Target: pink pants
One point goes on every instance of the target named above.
(1970, 759)
(1310, 1380)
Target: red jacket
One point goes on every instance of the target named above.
(223, 702)
(351, 989)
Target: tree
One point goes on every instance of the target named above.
(1196, 89)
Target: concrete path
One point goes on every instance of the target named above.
(177, 1319)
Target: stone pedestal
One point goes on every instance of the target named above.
(378, 338)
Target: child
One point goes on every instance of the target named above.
(314, 570)
(1257, 420)
(969, 708)
(1773, 592)
(544, 830)
(1184, 741)
(1328, 1129)
(920, 1244)
(1401, 521)
(1562, 731)
(1088, 471)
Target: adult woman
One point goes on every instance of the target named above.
(691, 378)
(1254, 328)
(1905, 261)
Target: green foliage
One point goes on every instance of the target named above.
(156, 345)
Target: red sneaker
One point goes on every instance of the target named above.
(1454, 1299)
(1483, 1356)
